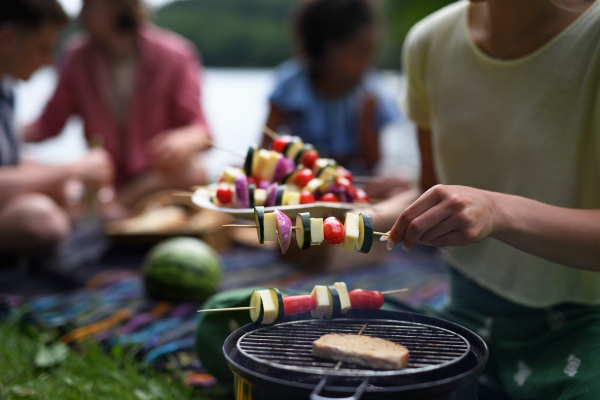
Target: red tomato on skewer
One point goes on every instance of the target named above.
(304, 176)
(307, 198)
(330, 197)
(361, 299)
(279, 143)
(298, 304)
(224, 194)
(333, 230)
(309, 157)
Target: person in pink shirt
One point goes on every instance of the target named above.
(137, 89)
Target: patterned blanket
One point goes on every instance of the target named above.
(113, 309)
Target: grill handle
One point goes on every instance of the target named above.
(356, 396)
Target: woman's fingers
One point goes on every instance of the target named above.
(450, 224)
(427, 200)
(453, 238)
(430, 219)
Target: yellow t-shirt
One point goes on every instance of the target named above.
(528, 127)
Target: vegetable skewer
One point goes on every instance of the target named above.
(269, 306)
(382, 234)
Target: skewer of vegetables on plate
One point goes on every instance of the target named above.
(292, 169)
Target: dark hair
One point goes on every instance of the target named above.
(319, 23)
(32, 14)
(132, 15)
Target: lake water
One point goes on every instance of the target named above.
(235, 103)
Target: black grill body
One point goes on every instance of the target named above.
(276, 362)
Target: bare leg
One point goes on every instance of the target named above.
(153, 181)
(31, 222)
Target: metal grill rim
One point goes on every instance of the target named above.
(353, 371)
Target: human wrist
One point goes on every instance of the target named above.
(505, 220)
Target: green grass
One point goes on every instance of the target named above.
(85, 374)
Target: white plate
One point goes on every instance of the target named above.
(201, 198)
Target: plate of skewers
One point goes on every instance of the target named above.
(291, 176)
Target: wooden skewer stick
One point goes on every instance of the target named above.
(250, 226)
(225, 149)
(426, 244)
(182, 194)
(269, 132)
(228, 309)
(395, 291)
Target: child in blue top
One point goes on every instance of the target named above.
(329, 95)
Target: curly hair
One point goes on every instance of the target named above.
(32, 14)
(319, 23)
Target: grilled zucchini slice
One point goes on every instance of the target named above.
(280, 194)
(365, 233)
(278, 300)
(344, 297)
(335, 308)
(303, 231)
(251, 190)
(249, 163)
(256, 314)
(259, 219)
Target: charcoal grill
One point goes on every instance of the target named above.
(276, 362)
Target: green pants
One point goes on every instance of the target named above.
(551, 353)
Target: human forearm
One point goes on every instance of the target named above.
(197, 137)
(461, 215)
(33, 178)
(566, 236)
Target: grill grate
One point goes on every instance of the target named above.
(289, 345)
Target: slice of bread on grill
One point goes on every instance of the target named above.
(372, 352)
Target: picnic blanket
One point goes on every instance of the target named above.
(114, 310)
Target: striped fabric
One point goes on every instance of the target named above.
(9, 148)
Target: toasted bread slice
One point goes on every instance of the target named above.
(372, 352)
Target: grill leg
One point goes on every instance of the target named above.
(356, 396)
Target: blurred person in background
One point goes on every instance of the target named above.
(31, 195)
(329, 95)
(137, 89)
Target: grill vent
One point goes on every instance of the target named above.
(289, 345)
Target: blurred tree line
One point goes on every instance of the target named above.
(256, 33)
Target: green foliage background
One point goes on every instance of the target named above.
(256, 33)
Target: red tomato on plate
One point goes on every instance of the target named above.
(224, 194)
(309, 157)
(333, 230)
(330, 197)
(345, 173)
(304, 176)
(307, 198)
(279, 143)
(362, 196)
